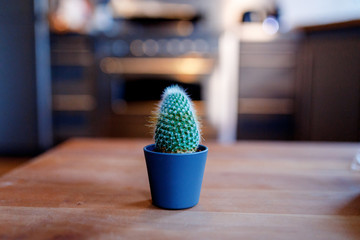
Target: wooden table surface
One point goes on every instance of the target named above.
(98, 189)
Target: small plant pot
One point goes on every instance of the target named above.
(175, 178)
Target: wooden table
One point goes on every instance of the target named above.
(98, 189)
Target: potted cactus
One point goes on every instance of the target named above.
(176, 162)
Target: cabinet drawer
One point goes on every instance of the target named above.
(266, 83)
(253, 60)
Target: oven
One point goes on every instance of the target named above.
(129, 88)
(147, 54)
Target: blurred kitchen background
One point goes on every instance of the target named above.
(256, 69)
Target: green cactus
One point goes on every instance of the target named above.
(177, 128)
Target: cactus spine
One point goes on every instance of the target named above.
(177, 128)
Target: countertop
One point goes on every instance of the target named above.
(98, 189)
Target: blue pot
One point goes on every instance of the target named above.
(175, 178)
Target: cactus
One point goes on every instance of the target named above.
(177, 128)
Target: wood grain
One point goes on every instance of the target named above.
(9, 163)
(98, 189)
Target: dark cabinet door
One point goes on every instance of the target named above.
(329, 86)
(25, 93)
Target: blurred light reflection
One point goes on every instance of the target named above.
(270, 25)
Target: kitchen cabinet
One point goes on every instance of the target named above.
(328, 84)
